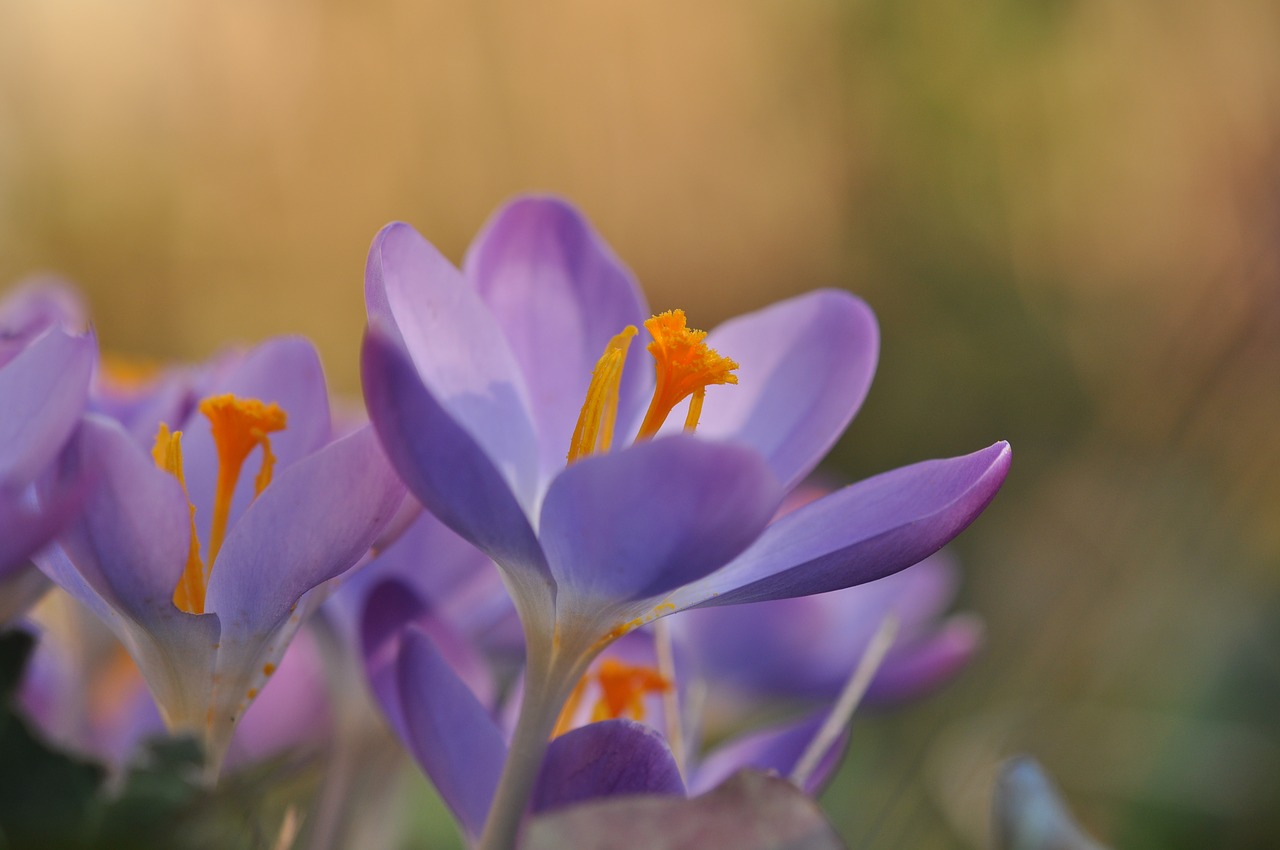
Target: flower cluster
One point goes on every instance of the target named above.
(587, 468)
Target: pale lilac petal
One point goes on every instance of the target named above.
(24, 529)
(559, 294)
(315, 520)
(612, 758)
(637, 523)
(43, 391)
(130, 542)
(444, 466)
(284, 370)
(35, 306)
(777, 748)
(451, 735)
(806, 646)
(926, 663)
(424, 304)
(865, 531)
(805, 366)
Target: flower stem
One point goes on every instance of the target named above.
(544, 696)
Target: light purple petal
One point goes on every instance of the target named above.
(926, 663)
(805, 365)
(24, 529)
(607, 759)
(806, 646)
(777, 748)
(43, 391)
(315, 520)
(130, 542)
(861, 533)
(426, 306)
(444, 466)
(284, 370)
(559, 294)
(450, 734)
(640, 522)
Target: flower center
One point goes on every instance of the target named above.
(622, 689)
(238, 426)
(684, 367)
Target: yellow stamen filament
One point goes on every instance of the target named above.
(594, 431)
(623, 688)
(188, 596)
(239, 426)
(685, 366)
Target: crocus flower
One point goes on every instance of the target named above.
(84, 692)
(803, 648)
(205, 573)
(46, 359)
(614, 735)
(476, 380)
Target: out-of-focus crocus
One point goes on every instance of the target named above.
(804, 648)
(85, 693)
(47, 357)
(476, 383)
(203, 572)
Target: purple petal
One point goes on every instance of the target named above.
(559, 294)
(129, 544)
(43, 391)
(926, 663)
(315, 520)
(861, 533)
(450, 734)
(391, 610)
(806, 646)
(24, 529)
(607, 759)
(35, 306)
(777, 748)
(423, 303)
(284, 370)
(637, 523)
(805, 366)
(443, 465)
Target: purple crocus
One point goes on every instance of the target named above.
(204, 573)
(476, 380)
(46, 359)
(803, 648)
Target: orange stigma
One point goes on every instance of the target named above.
(623, 688)
(684, 366)
(239, 426)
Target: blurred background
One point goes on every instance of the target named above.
(1065, 212)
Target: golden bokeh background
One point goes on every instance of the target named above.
(1065, 212)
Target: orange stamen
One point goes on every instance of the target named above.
(594, 431)
(623, 688)
(239, 426)
(685, 366)
(188, 596)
